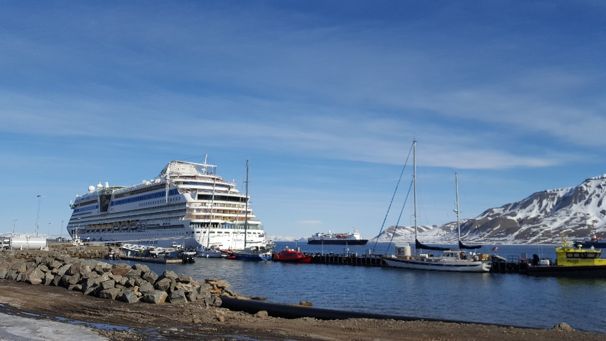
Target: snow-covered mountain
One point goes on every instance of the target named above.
(544, 216)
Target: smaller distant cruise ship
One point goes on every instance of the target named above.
(186, 205)
(337, 238)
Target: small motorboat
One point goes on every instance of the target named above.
(291, 256)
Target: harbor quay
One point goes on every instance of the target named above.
(72, 283)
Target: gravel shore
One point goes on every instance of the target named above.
(141, 321)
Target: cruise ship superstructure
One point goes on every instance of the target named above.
(187, 204)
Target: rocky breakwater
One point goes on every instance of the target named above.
(122, 282)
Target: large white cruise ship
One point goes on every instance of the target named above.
(187, 204)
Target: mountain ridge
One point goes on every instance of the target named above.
(542, 217)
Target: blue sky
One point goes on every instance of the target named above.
(323, 97)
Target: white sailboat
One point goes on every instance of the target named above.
(449, 260)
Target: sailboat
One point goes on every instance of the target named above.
(449, 260)
(254, 253)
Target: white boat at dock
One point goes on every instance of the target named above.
(448, 260)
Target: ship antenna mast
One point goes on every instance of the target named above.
(167, 183)
(414, 184)
(246, 206)
(457, 209)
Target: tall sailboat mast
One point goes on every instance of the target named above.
(414, 184)
(246, 207)
(457, 209)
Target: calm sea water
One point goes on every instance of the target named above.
(495, 298)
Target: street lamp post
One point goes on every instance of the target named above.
(14, 223)
(38, 214)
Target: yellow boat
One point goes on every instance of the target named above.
(573, 262)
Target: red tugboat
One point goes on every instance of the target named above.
(291, 256)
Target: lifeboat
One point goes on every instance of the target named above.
(292, 256)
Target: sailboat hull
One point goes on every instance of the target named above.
(438, 264)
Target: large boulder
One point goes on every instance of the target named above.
(48, 278)
(109, 284)
(191, 295)
(36, 276)
(109, 293)
(141, 268)
(74, 269)
(184, 279)
(163, 284)
(3, 272)
(169, 274)
(156, 297)
(63, 269)
(120, 269)
(92, 290)
(129, 296)
(145, 286)
(150, 276)
(177, 296)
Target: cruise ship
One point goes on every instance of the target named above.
(186, 205)
(337, 238)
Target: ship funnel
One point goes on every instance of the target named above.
(91, 189)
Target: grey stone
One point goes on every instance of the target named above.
(48, 278)
(130, 282)
(109, 293)
(55, 264)
(109, 284)
(3, 272)
(163, 284)
(56, 280)
(218, 283)
(145, 287)
(35, 276)
(74, 269)
(12, 275)
(150, 276)
(120, 269)
(192, 296)
(129, 296)
(214, 301)
(21, 277)
(142, 268)
(91, 290)
(262, 314)
(43, 268)
(63, 269)
(169, 274)
(156, 297)
(563, 327)
(67, 280)
(133, 274)
(177, 296)
(184, 279)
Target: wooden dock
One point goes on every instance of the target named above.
(352, 259)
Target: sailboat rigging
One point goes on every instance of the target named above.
(256, 253)
(449, 260)
(458, 211)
